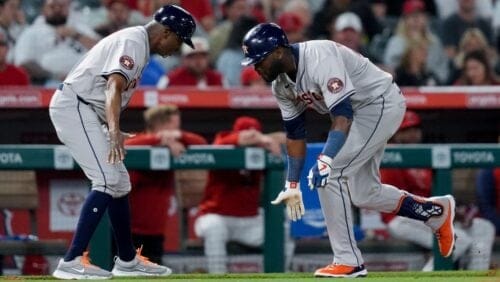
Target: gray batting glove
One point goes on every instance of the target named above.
(292, 196)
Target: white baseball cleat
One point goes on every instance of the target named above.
(139, 266)
(80, 268)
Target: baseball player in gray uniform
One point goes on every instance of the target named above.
(365, 107)
(85, 111)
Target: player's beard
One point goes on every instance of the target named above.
(57, 20)
(275, 69)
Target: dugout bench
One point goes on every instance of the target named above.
(19, 191)
(441, 158)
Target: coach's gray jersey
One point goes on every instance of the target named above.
(125, 52)
(327, 73)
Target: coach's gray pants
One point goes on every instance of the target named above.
(79, 128)
(355, 176)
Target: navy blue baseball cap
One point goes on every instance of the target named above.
(262, 40)
(178, 20)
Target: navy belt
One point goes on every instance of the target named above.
(61, 87)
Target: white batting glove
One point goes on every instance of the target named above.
(292, 196)
(319, 173)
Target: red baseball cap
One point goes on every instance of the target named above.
(411, 119)
(412, 6)
(246, 122)
(290, 22)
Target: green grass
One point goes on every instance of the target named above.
(469, 276)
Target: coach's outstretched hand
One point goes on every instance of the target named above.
(116, 146)
(292, 196)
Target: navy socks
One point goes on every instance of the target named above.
(119, 214)
(419, 210)
(94, 207)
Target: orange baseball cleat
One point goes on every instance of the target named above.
(443, 225)
(341, 270)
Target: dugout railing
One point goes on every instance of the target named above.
(441, 158)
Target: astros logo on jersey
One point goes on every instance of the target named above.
(335, 85)
(127, 62)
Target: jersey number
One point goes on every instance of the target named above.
(308, 97)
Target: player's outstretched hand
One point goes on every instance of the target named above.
(319, 173)
(292, 196)
(116, 146)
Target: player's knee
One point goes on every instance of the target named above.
(118, 184)
(211, 225)
(484, 228)
(394, 227)
(112, 179)
(123, 188)
(359, 202)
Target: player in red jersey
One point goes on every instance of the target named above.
(229, 210)
(10, 74)
(152, 189)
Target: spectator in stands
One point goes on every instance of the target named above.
(322, 19)
(347, 30)
(195, 69)
(201, 11)
(229, 210)
(149, 199)
(251, 78)
(455, 25)
(446, 8)
(118, 17)
(475, 236)
(232, 11)
(153, 72)
(413, 68)
(50, 47)
(477, 70)
(96, 13)
(413, 26)
(12, 23)
(372, 14)
(473, 39)
(10, 74)
(292, 24)
(395, 8)
(300, 8)
(496, 24)
(272, 8)
(488, 195)
(229, 61)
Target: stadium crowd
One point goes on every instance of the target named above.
(422, 43)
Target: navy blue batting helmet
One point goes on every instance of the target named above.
(262, 40)
(178, 20)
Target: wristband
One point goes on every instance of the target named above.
(334, 143)
(295, 166)
(292, 185)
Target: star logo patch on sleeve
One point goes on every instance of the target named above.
(335, 85)
(127, 62)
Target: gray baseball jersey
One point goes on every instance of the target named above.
(328, 73)
(77, 108)
(125, 52)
